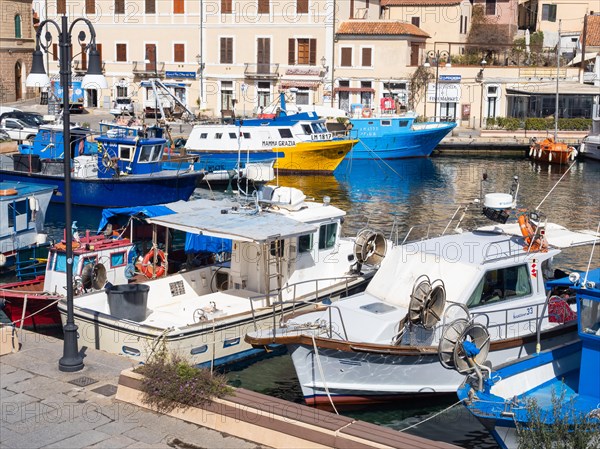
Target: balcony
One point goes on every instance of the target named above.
(148, 70)
(261, 71)
(79, 69)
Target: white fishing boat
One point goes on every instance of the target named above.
(590, 146)
(386, 341)
(281, 247)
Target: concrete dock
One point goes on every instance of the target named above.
(42, 407)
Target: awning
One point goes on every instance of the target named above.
(301, 84)
(354, 90)
(577, 59)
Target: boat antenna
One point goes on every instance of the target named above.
(587, 270)
(554, 187)
(557, 77)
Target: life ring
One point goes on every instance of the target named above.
(8, 192)
(366, 113)
(532, 243)
(148, 267)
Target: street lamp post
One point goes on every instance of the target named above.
(436, 55)
(479, 79)
(71, 360)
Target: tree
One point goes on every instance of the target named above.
(419, 81)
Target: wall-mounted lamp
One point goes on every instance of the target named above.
(324, 64)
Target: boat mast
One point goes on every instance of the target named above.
(557, 76)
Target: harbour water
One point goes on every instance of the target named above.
(417, 192)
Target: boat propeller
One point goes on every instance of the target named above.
(370, 247)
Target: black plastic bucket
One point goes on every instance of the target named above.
(128, 301)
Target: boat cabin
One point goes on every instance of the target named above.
(126, 150)
(49, 143)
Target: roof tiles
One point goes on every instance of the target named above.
(380, 28)
(593, 31)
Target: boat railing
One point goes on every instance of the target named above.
(322, 287)
(512, 249)
(429, 227)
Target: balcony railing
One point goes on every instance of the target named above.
(147, 70)
(261, 71)
(79, 69)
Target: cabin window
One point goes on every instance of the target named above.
(18, 217)
(307, 129)
(126, 152)
(285, 133)
(246, 135)
(305, 243)
(218, 135)
(277, 248)
(150, 153)
(502, 284)
(590, 316)
(118, 259)
(50, 261)
(232, 136)
(203, 135)
(61, 263)
(403, 123)
(327, 235)
(386, 122)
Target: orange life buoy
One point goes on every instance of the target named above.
(8, 192)
(366, 113)
(531, 244)
(148, 264)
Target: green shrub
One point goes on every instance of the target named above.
(490, 122)
(170, 383)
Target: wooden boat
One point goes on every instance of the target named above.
(548, 150)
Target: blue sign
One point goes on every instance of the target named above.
(447, 77)
(191, 75)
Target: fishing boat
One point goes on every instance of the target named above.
(98, 259)
(281, 247)
(384, 343)
(124, 169)
(550, 149)
(556, 387)
(298, 143)
(23, 208)
(396, 137)
(590, 146)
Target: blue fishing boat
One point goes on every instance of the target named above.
(395, 137)
(123, 167)
(553, 387)
(23, 208)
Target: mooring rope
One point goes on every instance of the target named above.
(431, 417)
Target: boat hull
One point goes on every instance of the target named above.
(590, 148)
(552, 152)
(135, 190)
(380, 142)
(26, 300)
(355, 375)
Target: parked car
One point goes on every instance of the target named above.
(122, 105)
(18, 129)
(4, 109)
(4, 135)
(32, 119)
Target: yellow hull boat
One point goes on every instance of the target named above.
(313, 157)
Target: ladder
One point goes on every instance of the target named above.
(274, 263)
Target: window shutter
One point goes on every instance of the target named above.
(291, 51)
(99, 48)
(346, 57)
(416, 21)
(90, 6)
(312, 54)
(263, 6)
(119, 6)
(179, 52)
(301, 6)
(366, 57)
(150, 7)
(178, 6)
(226, 6)
(83, 57)
(226, 50)
(121, 52)
(61, 7)
(55, 52)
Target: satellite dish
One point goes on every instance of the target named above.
(93, 276)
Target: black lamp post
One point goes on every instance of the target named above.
(71, 359)
(479, 79)
(436, 55)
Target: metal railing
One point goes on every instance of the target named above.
(143, 68)
(261, 70)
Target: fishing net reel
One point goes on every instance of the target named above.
(370, 247)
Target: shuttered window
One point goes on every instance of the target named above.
(346, 57)
(150, 7)
(416, 21)
(226, 50)
(367, 57)
(99, 48)
(263, 6)
(90, 6)
(83, 57)
(226, 6)
(306, 50)
(302, 6)
(178, 7)
(121, 52)
(55, 52)
(119, 6)
(179, 52)
(61, 7)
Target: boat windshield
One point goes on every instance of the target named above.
(150, 153)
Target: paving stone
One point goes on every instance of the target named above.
(141, 445)
(9, 380)
(5, 368)
(82, 440)
(144, 434)
(119, 426)
(5, 394)
(39, 386)
(114, 442)
(20, 406)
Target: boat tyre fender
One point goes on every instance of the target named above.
(366, 113)
(147, 264)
